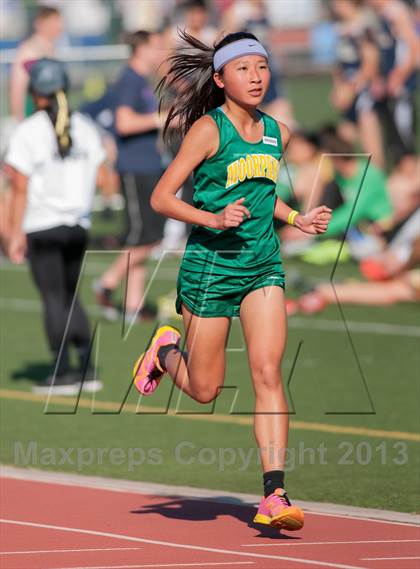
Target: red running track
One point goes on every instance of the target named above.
(57, 526)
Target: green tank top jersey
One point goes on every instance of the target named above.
(238, 169)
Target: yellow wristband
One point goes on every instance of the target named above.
(291, 217)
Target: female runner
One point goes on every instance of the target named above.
(232, 265)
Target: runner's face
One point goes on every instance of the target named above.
(245, 80)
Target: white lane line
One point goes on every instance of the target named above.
(161, 565)
(36, 551)
(294, 543)
(387, 558)
(382, 328)
(182, 545)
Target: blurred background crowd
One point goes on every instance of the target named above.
(343, 80)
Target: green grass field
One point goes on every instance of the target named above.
(354, 435)
(361, 455)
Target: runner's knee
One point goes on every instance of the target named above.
(266, 375)
(208, 390)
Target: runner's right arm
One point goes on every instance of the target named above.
(200, 143)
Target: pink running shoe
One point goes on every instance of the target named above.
(277, 511)
(147, 371)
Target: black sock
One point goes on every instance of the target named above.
(163, 351)
(271, 480)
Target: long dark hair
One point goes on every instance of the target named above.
(190, 77)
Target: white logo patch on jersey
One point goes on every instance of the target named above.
(270, 140)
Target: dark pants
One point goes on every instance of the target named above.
(55, 256)
(398, 120)
(144, 225)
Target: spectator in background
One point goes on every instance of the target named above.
(365, 223)
(323, 39)
(395, 281)
(48, 27)
(251, 16)
(86, 22)
(241, 13)
(397, 253)
(310, 170)
(139, 166)
(55, 157)
(195, 19)
(13, 23)
(351, 174)
(325, 168)
(101, 111)
(146, 15)
(358, 64)
(395, 84)
(404, 187)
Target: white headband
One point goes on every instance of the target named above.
(237, 49)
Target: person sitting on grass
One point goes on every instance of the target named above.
(391, 281)
(356, 178)
(359, 198)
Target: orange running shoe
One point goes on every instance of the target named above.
(147, 371)
(277, 511)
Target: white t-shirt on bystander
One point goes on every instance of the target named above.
(60, 191)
